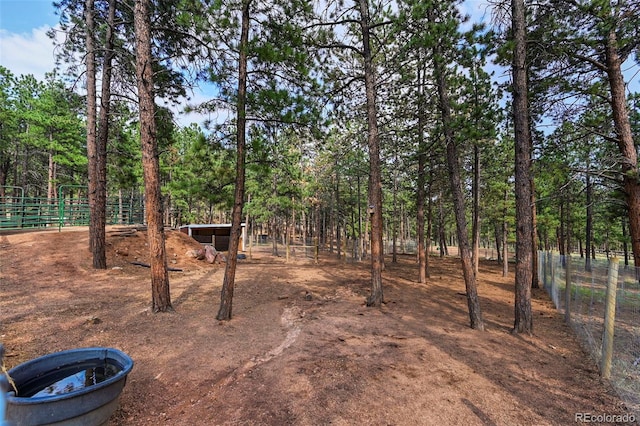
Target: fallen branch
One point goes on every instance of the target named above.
(149, 266)
(132, 233)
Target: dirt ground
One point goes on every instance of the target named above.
(302, 348)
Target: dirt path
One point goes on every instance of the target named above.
(302, 348)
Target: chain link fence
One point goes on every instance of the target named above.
(601, 302)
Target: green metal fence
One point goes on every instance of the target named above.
(71, 208)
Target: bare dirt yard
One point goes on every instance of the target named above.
(302, 348)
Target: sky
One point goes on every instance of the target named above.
(26, 49)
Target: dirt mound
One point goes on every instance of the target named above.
(129, 244)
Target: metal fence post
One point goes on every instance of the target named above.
(554, 295)
(567, 290)
(609, 319)
(540, 266)
(545, 268)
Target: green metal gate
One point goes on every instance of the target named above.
(71, 208)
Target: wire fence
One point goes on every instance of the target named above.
(602, 304)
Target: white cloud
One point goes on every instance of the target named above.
(477, 10)
(27, 53)
(33, 53)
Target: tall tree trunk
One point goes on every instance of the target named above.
(99, 210)
(161, 298)
(120, 207)
(5, 167)
(473, 302)
(625, 246)
(338, 216)
(568, 230)
(376, 297)
(332, 219)
(561, 230)
(249, 227)
(360, 237)
(226, 298)
(352, 235)
(404, 228)
(429, 227)
(589, 225)
(475, 227)
(497, 234)
(505, 235)
(394, 219)
(625, 142)
(442, 245)
(92, 115)
(580, 248)
(535, 281)
(273, 222)
(273, 226)
(26, 155)
(524, 222)
(318, 232)
(505, 249)
(420, 191)
(51, 173)
(292, 238)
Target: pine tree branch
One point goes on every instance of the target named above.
(330, 24)
(592, 61)
(339, 46)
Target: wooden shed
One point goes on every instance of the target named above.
(216, 234)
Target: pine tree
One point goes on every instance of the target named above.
(524, 220)
(160, 293)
